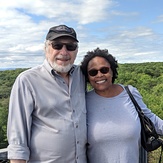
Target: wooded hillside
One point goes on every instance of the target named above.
(147, 77)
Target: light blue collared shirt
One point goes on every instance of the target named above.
(47, 118)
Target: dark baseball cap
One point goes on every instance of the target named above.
(60, 31)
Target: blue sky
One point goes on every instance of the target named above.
(132, 30)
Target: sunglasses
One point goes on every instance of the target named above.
(94, 72)
(69, 46)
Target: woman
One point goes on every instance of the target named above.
(113, 122)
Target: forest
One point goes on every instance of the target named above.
(146, 77)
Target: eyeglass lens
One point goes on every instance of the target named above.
(69, 46)
(94, 72)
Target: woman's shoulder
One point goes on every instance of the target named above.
(90, 92)
(134, 91)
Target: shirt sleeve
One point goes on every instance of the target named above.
(19, 119)
(158, 122)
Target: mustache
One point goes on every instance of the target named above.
(63, 57)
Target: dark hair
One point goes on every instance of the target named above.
(100, 53)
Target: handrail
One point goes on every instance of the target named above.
(3, 155)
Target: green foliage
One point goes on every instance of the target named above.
(146, 77)
(7, 79)
(3, 121)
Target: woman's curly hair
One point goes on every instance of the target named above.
(99, 53)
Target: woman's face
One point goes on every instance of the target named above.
(100, 74)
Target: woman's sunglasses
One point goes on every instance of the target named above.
(69, 46)
(94, 72)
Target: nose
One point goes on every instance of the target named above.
(99, 74)
(64, 50)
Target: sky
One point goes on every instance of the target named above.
(131, 30)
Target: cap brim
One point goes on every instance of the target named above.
(62, 35)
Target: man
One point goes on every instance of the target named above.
(47, 114)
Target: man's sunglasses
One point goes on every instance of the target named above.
(69, 46)
(94, 72)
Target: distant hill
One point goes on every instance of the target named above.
(3, 69)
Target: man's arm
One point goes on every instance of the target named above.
(19, 121)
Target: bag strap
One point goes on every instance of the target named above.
(140, 112)
(138, 108)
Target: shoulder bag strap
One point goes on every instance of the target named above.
(138, 108)
(141, 112)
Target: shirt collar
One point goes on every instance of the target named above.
(47, 66)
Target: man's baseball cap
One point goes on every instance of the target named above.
(60, 31)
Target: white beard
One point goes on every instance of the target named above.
(60, 68)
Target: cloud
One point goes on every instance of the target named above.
(104, 24)
(160, 18)
(126, 14)
(94, 11)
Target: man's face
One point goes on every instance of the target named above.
(61, 53)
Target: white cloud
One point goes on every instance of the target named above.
(24, 24)
(160, 18)
(94, 10)
(126, 14)
(137, 32)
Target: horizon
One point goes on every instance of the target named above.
(12, 68)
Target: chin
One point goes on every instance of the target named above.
(62, 68)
